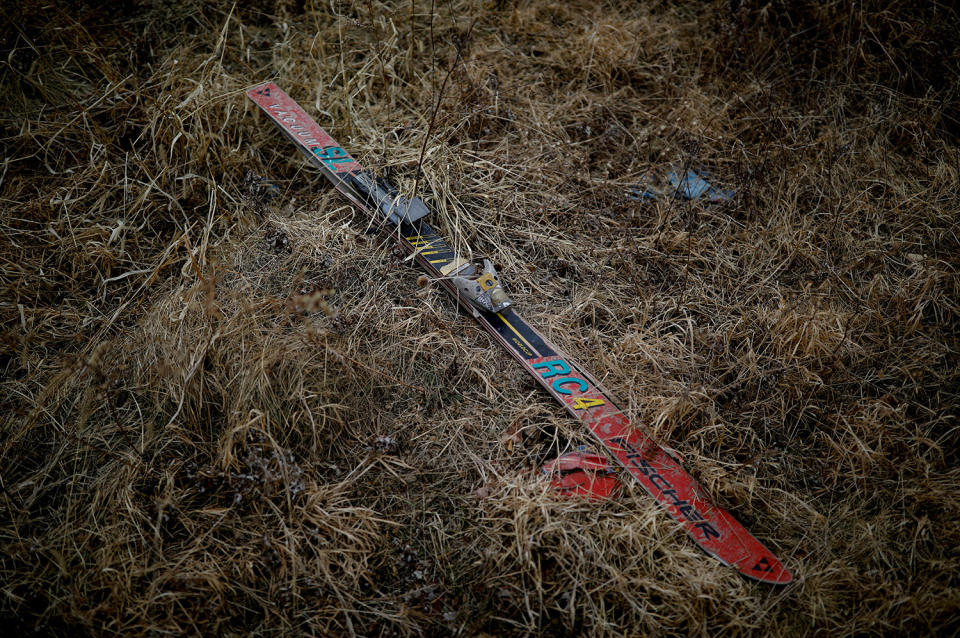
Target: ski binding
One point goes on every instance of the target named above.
(484, 290)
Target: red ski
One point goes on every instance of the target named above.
(477, 288)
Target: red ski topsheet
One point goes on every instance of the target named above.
(713, 529)
(660, 474)
(301, 129)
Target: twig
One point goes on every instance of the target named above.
(436, 107)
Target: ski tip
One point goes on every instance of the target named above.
(264, 89)
(767, 569)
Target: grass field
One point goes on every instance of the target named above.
(229, 409)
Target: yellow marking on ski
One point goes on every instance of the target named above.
(436, 261)
(522, 348)
(419, 239)
(509, 325)
(420, 248)
(582, 403)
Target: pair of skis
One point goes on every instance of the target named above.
(477, 288)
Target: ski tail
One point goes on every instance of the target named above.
(661, 475)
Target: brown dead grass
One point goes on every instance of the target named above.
(226, 413)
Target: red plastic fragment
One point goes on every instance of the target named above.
(579, 459)
(584, 473)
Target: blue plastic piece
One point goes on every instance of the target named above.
(691, 186)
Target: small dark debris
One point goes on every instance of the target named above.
(265, 472)
(260, 193)
(384, 445)
(261, 188)
(277, 241)
(311, 298)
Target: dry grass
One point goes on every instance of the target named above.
(226, 412)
